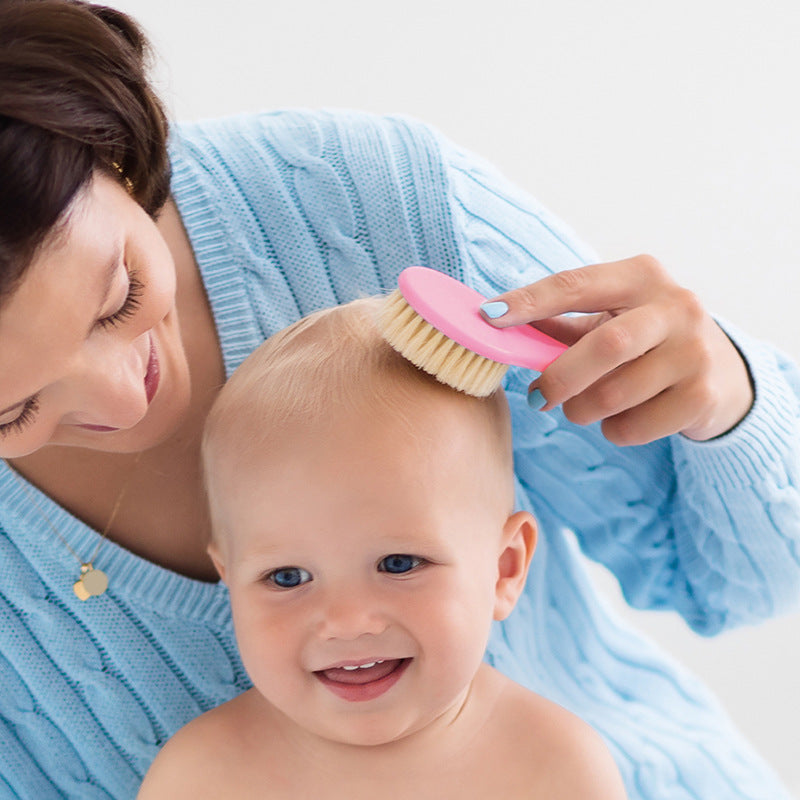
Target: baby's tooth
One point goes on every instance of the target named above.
(363, 666)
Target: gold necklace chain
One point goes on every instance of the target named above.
(92, 581)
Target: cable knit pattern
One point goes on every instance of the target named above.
(293, 211)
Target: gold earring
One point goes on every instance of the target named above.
(125, 179)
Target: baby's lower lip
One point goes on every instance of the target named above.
(358, 686)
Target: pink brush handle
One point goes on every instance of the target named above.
(454, 309)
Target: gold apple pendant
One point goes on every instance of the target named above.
(92, 582)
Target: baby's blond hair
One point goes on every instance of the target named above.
(332, 361)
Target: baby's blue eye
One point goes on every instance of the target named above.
(398, 563)
(288, 577)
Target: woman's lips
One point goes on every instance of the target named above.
(100, 428)
(366, 683)
(153, 374)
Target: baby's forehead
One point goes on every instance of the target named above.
(407, 440)
(378, 468)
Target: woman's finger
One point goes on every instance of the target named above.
(569, 330)
(699, 371)
(631, 385)
(662, 415)
(605, 348)
(613, 287)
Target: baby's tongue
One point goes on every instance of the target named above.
(362, 674)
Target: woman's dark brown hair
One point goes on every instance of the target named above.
(74, 98)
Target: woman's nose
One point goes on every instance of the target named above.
(111, 384)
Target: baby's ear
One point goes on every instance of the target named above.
(516, 548)
(214, 551)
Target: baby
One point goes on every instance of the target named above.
(364, 525)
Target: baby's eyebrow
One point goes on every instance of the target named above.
(266, 551)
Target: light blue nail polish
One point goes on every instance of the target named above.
(494, 309)
(536, 400)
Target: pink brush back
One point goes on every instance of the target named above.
(454, 310)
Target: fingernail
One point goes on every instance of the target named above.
(494, 309)
(536, 400)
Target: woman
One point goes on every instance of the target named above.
(127, 294)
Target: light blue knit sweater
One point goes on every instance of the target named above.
(289, 212)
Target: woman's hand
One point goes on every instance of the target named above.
(649, 361)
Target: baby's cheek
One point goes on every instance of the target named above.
(266, 652)
(258, 629)
(459, 628)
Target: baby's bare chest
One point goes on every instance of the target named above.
(485, 778)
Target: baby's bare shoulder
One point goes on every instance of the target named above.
(551, 751)
(201, 758)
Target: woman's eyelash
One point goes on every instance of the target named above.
(28, 414)
(129, 307)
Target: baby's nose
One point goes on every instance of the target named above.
(349, 614)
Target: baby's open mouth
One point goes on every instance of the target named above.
(364, 681)
(364, 673)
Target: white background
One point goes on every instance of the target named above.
(671, 128)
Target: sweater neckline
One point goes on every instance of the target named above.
(132, 579)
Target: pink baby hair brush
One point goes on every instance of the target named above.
(435, 322)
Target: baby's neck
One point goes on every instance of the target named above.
(442, 737)
(450, 739)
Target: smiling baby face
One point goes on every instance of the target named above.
(367, 545)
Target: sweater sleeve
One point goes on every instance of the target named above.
(710, 529)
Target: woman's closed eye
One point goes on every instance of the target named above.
(400, 563)
(287, 577)
(25, 418)
(129, 307)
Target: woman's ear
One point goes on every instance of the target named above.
(216, 557)
(516, 548)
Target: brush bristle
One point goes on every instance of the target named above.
(432, 351)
